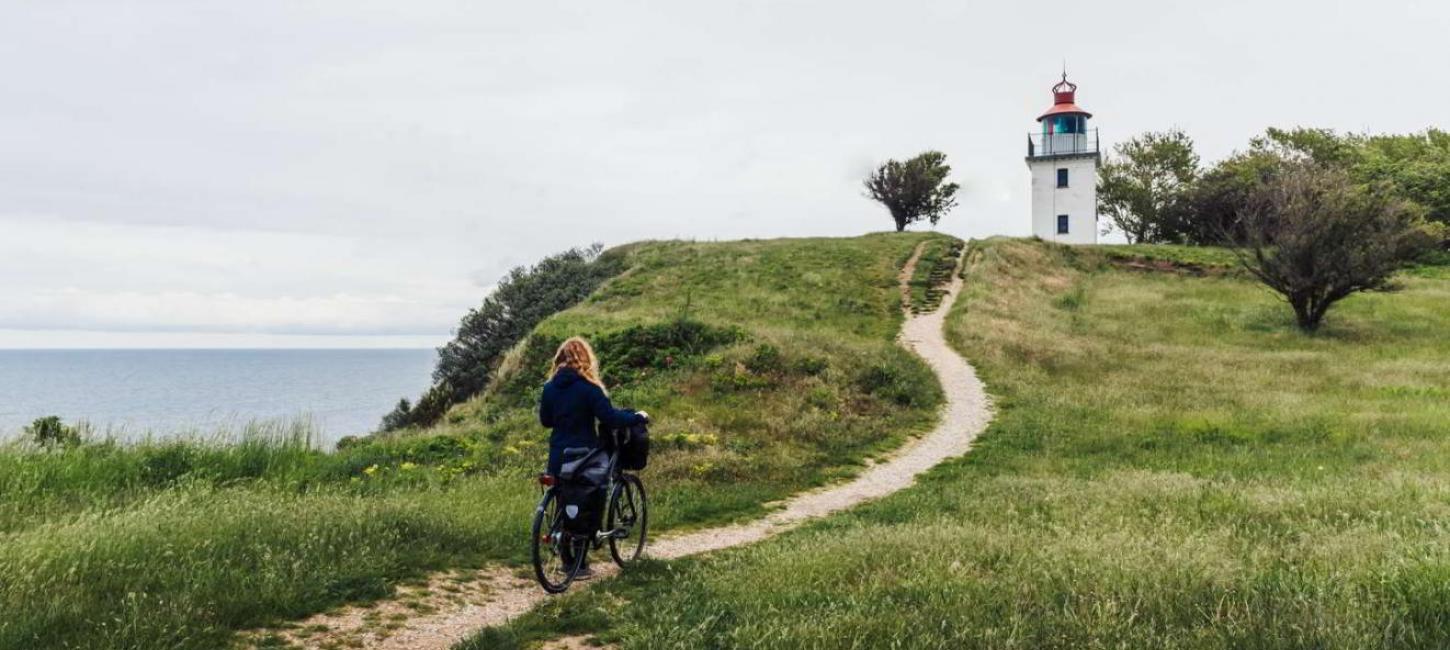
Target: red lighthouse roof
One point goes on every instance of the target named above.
(1063, 95)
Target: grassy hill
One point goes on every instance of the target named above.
(769, 365)
(1172, 465)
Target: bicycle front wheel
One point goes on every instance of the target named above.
(557, 554)
(628, 522)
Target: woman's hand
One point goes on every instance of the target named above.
(643, 415)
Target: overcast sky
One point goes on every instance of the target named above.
(359, 174)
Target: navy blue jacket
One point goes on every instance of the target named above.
(571, 406)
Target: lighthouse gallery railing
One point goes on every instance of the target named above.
(1044, 145)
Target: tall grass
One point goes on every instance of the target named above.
(178, 544)
(1172, 464)
(186, 566)
(103, 471)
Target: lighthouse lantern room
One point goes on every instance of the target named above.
(1063, 157)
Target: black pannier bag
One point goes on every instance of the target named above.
(633, 448)
(582, 480)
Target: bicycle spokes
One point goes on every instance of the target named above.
(557, 554)
(625, 507)
(628, 519)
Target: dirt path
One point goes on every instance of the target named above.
(450, 607)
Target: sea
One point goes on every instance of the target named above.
(135, 394)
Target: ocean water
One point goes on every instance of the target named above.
(164, 393)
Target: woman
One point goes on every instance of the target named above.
(573, 399)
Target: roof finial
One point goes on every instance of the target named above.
(1064, 68)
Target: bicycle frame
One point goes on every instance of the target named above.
(614, 475)
(614, 479)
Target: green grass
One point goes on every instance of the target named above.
(1172, 464)
(812, 385)
(1203, 256)
(178, 545)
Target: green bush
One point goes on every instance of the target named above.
(894, 380)
(49, 432)
(765, 359)
(522, 299)
(632, 353)
(161, 466)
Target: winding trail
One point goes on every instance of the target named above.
(493, 597)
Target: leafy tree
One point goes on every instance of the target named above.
(399, 417)
(915, 189)
(50, 432)
(1140, 190)
(1315, 236)
(522, 299)
(1207, 213)
(1299, 144)
(1417, 166)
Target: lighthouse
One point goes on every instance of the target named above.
(1063, 157)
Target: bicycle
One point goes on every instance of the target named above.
(559, 554)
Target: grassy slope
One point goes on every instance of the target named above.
(1172, 465)
(814, 386)
(176, 545)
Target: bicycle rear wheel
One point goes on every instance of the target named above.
(628, 520)
(557, 554)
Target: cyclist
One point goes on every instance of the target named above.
(573, 400)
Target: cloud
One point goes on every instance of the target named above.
(186, 311)
(349, 166)
(137, 278)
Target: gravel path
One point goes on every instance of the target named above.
(499, 596)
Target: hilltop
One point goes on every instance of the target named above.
(770, 365)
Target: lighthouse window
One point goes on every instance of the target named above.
(1062, 224)
(1062, 177)
(1067, 124)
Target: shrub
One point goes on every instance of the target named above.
(765, 359)
(432, 449)
(50, 432)
(161, 466)
(629, 354)
(888, 379)
(1314, 237)
(395, 419)
(522, 299)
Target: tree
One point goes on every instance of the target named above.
(399, 417)
(1314, 236)
(915, 189)
(522, 299)
(50, 432)
(1208, 211)
(1415, 166)
(1142, 187)
(1299, 144)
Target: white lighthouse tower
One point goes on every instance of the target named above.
(1064, 158)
